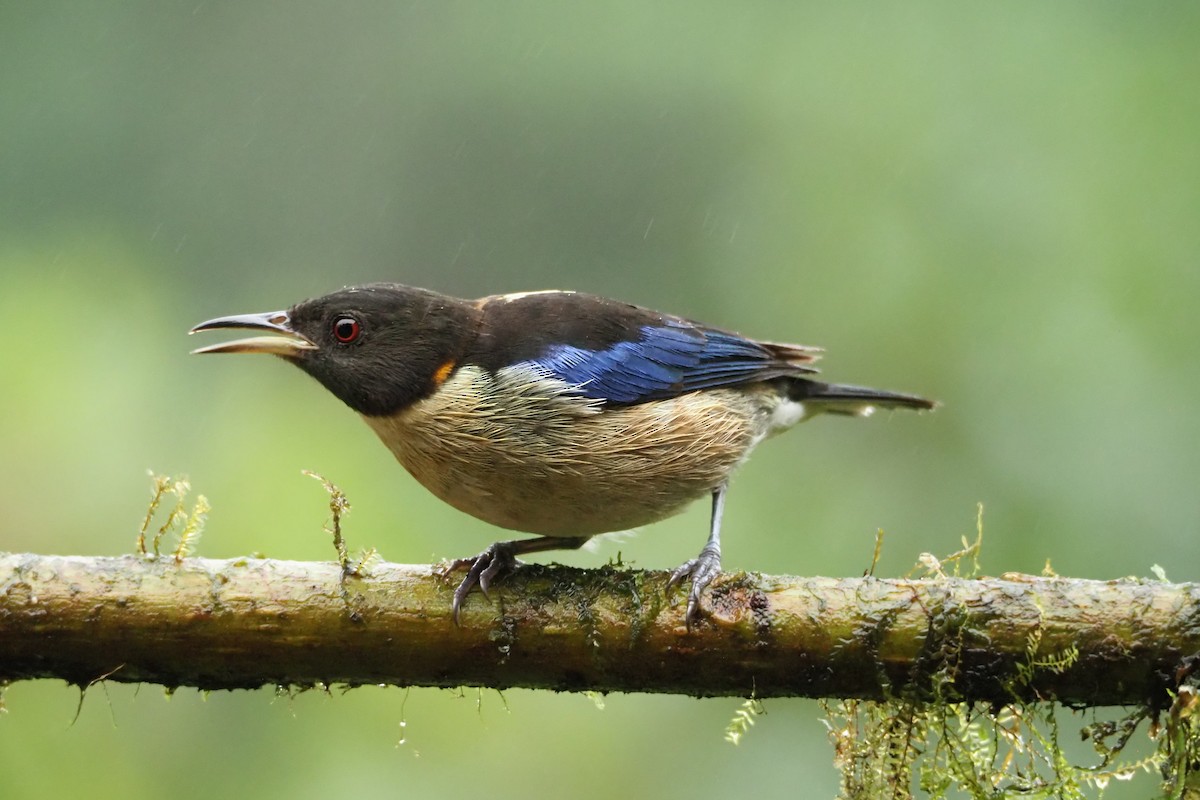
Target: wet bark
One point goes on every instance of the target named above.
(244, 623)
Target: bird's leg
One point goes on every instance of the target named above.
(706, 566)
(501, 558)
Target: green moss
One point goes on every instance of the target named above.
(189, 525)
(941, 747)
(339, 506)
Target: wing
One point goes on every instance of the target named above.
(625, 354)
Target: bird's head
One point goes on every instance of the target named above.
(378, 347)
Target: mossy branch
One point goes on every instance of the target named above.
(247, 622)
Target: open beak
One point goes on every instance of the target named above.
(287, 342)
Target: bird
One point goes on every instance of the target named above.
(555, 413)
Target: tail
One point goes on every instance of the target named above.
(858, 401)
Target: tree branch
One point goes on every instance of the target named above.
(248, 622)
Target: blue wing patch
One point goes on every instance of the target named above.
(669, 359)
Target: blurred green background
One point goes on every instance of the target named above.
(995, 205)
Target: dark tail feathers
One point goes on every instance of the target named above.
(860, 401)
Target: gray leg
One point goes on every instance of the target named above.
(501, 558)
(706, 566)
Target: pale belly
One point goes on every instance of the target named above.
(521, 452)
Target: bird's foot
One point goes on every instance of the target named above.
(500, 558)
(701, 569)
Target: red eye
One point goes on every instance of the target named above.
(346, 330)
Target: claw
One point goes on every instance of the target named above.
(701, 570)
(499, 560)
(482, 570)
(704, 567)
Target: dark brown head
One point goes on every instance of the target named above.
(378, 347)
